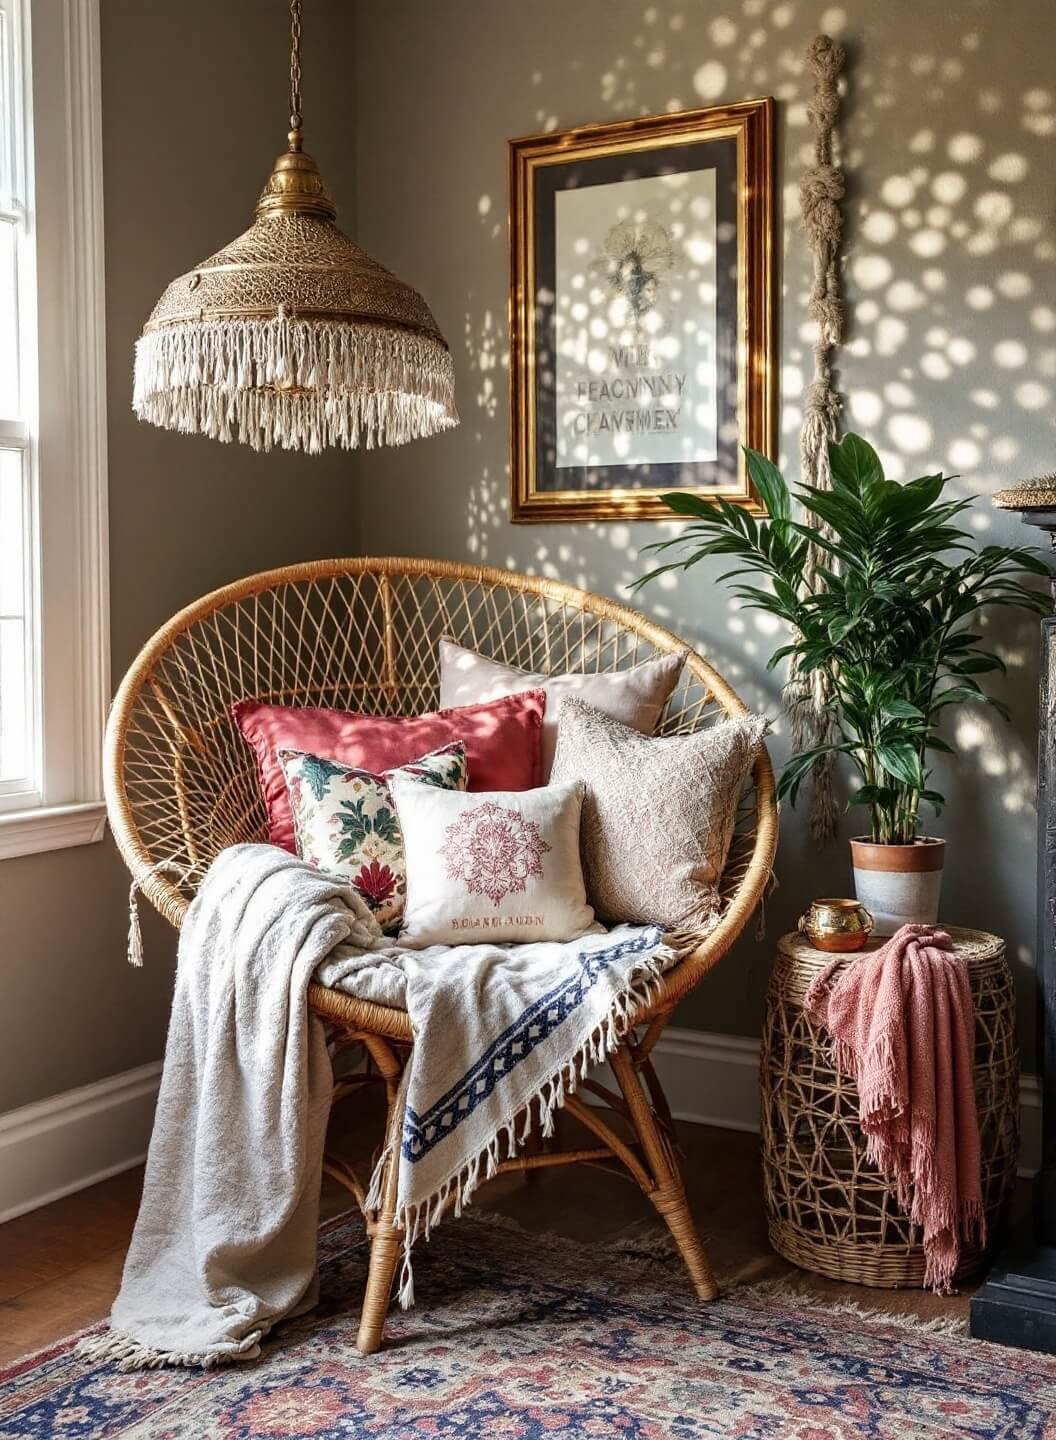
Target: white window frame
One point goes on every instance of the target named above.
(65, 435)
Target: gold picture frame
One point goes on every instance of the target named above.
(735, 142)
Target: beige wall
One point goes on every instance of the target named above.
(194, 112)
(951, 147)
(952, 361)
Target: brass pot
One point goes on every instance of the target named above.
(836, 925)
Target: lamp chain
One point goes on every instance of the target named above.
(295, 64)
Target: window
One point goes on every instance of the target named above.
(19, 765)
(53, 611)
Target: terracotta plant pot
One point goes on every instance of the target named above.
(899, 884)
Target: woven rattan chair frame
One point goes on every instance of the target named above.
(181, 785)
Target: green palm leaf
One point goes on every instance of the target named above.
(891, 619)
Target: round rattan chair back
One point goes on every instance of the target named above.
(360, 634)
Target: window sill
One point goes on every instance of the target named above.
(51, 827)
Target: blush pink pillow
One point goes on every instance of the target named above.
(635, 697)
(502, 740)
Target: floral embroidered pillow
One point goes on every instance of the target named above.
(496, 866)
(346, 824)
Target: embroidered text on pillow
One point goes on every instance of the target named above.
(498, 922)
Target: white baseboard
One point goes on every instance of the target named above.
(713, 1079)
(70, 1141)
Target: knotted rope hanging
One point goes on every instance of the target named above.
(820, 192)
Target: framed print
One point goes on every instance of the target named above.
(641, 312)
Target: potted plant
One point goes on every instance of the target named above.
(890, 616)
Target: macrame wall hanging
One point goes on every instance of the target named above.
(820, 190)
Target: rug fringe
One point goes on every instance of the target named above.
(782, 1292)
(129, 1354)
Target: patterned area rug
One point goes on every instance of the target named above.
(534, 1338)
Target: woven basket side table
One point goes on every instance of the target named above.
(828, 1208)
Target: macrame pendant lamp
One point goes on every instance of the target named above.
(293, 336)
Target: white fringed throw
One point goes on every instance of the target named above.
(224, 1246)
(502, 1034)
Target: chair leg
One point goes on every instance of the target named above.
(670, 1202)
(534, 1145)
(668, 1195)
(386, 1241)
(385, 1247)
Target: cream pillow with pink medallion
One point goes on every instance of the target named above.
(497, 867)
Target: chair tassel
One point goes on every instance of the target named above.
(406, 1290)
(771, 885)
(135, 934)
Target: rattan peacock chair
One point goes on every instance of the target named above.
(363, 634)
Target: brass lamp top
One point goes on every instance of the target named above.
(296, 260)
(295, 186)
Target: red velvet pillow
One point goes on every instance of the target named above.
(502, 739)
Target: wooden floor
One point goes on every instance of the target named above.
(60, 1266)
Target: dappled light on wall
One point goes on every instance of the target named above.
(949, 351)
(949, 270)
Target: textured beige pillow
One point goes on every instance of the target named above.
(658, 813)
(634, 696)
(500, 865)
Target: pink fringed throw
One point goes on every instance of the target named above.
(903, 1028)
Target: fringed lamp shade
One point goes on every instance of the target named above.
(293, 336)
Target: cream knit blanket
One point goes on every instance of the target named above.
(225, 1243)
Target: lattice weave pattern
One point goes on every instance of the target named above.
(362, 635)
(828, 1208)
